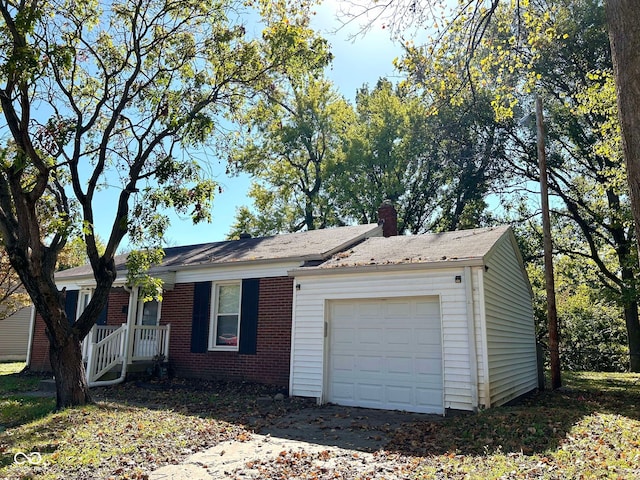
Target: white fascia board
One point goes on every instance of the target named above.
(78, 283)
(396, 267)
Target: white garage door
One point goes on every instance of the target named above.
(386, 353)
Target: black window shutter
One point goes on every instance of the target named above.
(201, 316)
(71, 305)
(249, 316)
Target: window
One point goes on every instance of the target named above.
(225, 327)
(149, 313)
(85, 298)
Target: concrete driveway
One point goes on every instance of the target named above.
(326, 438)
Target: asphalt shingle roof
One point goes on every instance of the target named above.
(306, 246)
(427, 248)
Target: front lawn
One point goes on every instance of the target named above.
(589, 430)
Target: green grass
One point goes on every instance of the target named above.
(12, 380)
(587, 430)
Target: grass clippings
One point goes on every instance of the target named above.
(590, 429)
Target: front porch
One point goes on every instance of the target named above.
(112, 350)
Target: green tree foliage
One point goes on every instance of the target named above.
(594, 335)
(291, 143)
(436, 161)
(120, 95)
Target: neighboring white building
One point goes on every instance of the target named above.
(14, 335)
(421, 323)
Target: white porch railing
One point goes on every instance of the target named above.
(150, 341)
(106, 346)
(97, 334)
(105, 354)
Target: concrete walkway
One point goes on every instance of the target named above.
(234, 458)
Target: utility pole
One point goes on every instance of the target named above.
(552, 314)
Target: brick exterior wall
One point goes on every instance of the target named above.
(118, 306)
(270, 364)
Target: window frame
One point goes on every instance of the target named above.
(213, 321)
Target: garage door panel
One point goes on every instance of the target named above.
(400, 365)
(399, 336)
(343, 336)
(373, 364)
(344, 363)
(370, 336)
(399, 395)
(399, 310)
(343, 391)
(369, 310)
(369, 392)
(392, 358)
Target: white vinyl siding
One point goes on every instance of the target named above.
(307, 357)
(14, 335)
(510, 330)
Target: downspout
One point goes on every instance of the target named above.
(32, 325)
(471, 329)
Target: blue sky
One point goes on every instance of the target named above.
(355, 63)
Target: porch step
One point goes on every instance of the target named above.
(47, 385)
(110, 375)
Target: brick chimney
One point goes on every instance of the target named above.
(388, 218)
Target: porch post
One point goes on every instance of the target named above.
(131, 321)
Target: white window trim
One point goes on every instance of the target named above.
(213, 324)
(81, 306)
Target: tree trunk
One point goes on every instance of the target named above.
(623, 18)
(69, 372)
(631, 320)
(633, 335)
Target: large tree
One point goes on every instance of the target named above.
(473, 19)
(118, 96)
(290, 145)
(434, 160)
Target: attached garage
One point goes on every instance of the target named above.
(422, 323)
(385, 353)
